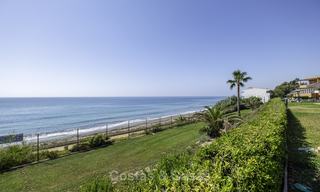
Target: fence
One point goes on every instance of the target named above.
(126, 129)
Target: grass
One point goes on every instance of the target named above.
(68, 173)
(304, 131)
(247, 114)
(244, 112)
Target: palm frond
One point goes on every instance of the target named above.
(239, 77)
(232, 83)
(247, 79)
(236, 73)
(243, 74)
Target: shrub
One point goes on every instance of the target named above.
(51, 154)
(253, 102)
(156, 128)
(92, 142)
(85, 146)
(97, 141)
(15, 155)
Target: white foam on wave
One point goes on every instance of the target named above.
(189, 112)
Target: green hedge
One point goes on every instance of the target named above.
(248, 158)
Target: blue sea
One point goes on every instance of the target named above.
(57, 115)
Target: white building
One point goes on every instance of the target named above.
(256, 92)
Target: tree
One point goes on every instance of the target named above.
(239, 78)
(216, 120)
(285, 88)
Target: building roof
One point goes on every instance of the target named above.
(311, 78)
(294, 91)
(256, 88)
(314, 85)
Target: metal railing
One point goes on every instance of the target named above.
(125, 129)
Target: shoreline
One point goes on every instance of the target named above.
(114, 129)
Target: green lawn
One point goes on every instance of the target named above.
(304, 131)
(68, 173)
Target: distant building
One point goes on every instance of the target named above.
(309, 88)
(256, 92)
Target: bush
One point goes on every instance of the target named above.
(15, 155)
(248, 158)
(97, 141)
(85, 146)
(92, 142)
(156, 128)
(253, 102)
(211, 131)
(51, 154)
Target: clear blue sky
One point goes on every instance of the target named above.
(153, 47)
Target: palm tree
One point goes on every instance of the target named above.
(239, 78)
(216, 120)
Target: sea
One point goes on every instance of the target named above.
(54, 117)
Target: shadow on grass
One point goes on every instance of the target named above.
(302, 168)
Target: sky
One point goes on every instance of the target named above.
(73, 48)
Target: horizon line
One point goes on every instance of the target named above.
(108, 96)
